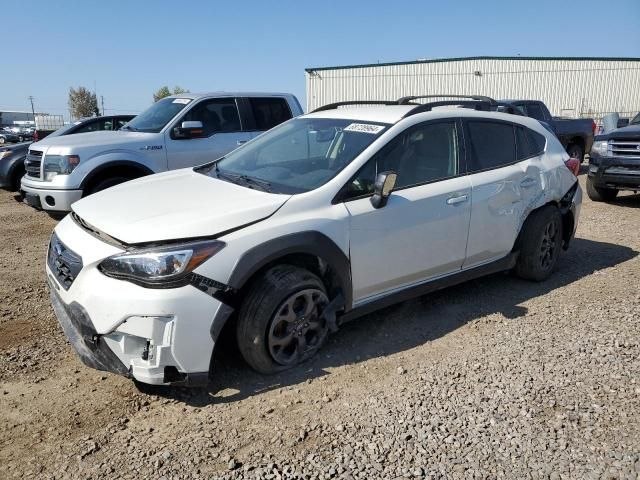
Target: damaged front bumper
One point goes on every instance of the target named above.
(155, 336)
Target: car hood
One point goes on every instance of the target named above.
(102, 138)
(174, 205)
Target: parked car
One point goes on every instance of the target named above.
(614, 163)
(12, 164)
(7, 136)
(176, 132)
(318, 221)
(94, 124)
(576, 135)
(12, 167)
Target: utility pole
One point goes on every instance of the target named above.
(33, 112)
(102, 101)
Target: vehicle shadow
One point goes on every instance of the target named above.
(401, 327)
(631, 201)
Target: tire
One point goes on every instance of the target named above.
(575, 151)
(17, 177)
(541, 242)
(280, 321)
(600, 194)
(2, 140)
(106, 183)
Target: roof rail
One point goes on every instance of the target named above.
(406, 100)
(333, 106)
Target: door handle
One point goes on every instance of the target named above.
(528, 182)
(240, 142)
(457, 200)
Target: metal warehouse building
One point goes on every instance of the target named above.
(571, 87)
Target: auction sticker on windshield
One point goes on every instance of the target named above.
(364, 128)
(184, 101)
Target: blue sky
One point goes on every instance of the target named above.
(131, 48)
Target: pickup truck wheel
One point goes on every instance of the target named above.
(106, 183)
(600, 194)
(280, 322)
(541, 244)
(575, 151)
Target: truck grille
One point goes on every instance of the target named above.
(625, 148)
(64, 263)
(32, 163)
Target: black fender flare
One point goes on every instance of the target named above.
(309, 242)
(117, 163)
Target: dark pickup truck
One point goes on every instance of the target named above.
(576, 135)
(614, 163)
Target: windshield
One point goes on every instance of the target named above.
(297, 156)
(63, 130)
(635, 120)
(154, 118)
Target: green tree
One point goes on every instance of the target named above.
(83, 103)
(165, 92)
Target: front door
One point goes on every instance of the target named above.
(421, 232)
(222, 133)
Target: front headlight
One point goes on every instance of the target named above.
(160, 267)
(59, 165)
(5, 154)
(601, 148)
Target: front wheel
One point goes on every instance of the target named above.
(600, 194)
(106, 183)
(541, 244)
(280, 322)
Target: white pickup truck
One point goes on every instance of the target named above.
(176, 132)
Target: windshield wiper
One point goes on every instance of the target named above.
(245, 180)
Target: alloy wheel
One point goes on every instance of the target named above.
(297, 329)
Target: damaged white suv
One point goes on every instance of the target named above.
(317, 221)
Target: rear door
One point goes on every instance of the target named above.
(222, 132)
(504, 185)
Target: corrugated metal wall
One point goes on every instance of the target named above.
(569, 87)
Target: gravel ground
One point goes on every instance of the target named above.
(496, 378)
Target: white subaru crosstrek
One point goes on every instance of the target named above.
(315, 222)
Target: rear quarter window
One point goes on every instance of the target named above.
(269, 112)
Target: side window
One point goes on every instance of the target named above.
(216, 115)
(523, 148)
(537, 141)
(93, 126)
(423, 153)
(269, 112)
(493, 145)
(534, 111)
(120, 122)
(529, 143)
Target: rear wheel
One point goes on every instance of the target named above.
(280, 322)
(600, 194)
(575, 151)
(540, 245)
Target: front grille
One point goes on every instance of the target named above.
(625, 148)
(64, 263)
(32, 163)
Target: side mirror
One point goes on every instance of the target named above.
(189, 129)
(385, 181)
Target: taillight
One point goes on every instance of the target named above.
(593, 127)
(35, 135)
(573, 164)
